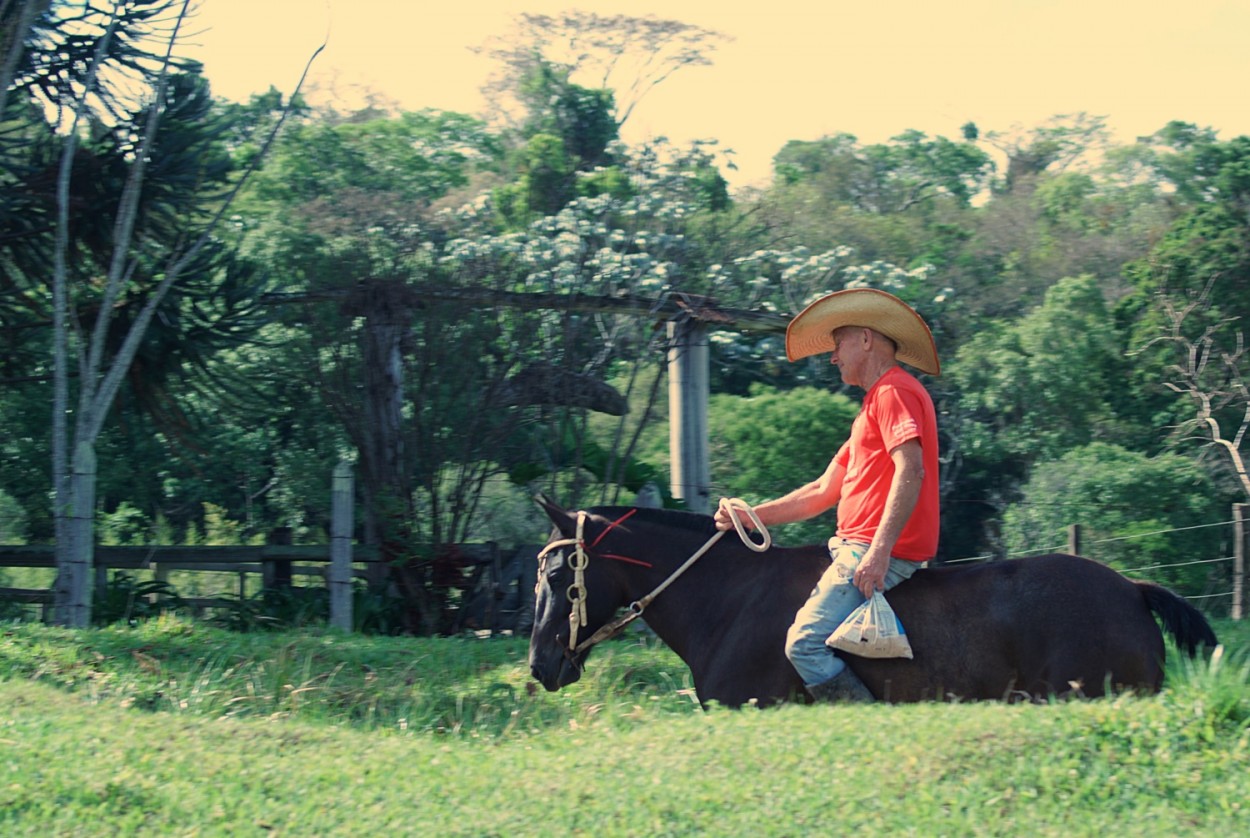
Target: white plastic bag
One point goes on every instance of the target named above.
(872, 631)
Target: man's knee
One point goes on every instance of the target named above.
(793, 640)
(805, 648)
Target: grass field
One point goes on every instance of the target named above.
(172, 728)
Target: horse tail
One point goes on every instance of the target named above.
(1184, 622)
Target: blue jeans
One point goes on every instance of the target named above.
(832, 601)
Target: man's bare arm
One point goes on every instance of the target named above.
(904, 494)
(807, 501)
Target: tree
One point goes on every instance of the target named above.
(1054, 147)
(628, 55)
(1085, 213)
(1044, 383)
(158, 157)
(906, 202)
(1137, 512)
(171, 416)
(772, 442)
(99, 379)
(359, 213)
(1211, 236)
(886, 178)
(17, 20)
(1025, 392)
(51, 52)
(563, 128)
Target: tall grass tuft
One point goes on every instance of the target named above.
(1215, 689)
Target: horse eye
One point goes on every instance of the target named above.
(549, 569)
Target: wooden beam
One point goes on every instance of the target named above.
(668, 307)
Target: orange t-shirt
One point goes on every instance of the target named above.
(896, 409)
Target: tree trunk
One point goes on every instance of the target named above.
(73, 585)
(15, 25)
(386, 485)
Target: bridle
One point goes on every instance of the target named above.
(580, 560)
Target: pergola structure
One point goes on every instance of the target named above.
(688, 319)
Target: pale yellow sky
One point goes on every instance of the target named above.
(796, 69)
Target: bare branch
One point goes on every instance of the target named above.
(112, 381)
(1212, 377)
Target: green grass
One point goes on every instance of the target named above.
(464, 687)
(173, 728)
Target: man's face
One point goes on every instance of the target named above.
(850, 349)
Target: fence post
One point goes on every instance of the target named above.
(340, 576)
(1074, 539)
(160, 573)
(275, 573)
(1239, 560)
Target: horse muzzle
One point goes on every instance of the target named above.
(557, 670)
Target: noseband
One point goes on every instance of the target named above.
(580, 560)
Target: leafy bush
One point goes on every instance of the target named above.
(773, 442)
(125, 599)
(1137, 511)
(284, 608)
(12, 520)
(274, 609)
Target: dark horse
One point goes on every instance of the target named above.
(1028, 628)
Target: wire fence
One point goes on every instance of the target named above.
(1088, 548)
(1234, 595)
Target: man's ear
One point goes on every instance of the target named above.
(884, 338)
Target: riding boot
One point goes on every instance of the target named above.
(845, 687)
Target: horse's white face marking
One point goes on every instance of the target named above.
(550, 565)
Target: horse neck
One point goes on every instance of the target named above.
(725, 585)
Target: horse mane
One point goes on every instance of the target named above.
(676, 518)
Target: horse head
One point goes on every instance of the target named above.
(575, 596)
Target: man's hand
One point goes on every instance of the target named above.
(870, 575)
(723, 519)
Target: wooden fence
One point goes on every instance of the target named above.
(274, 562)
(494, 586)
(496, 583)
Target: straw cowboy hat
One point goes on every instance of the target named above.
(811, 332)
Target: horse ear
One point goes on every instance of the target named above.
(561, 517)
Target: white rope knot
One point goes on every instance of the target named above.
(734, 507)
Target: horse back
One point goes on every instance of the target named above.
(1055, 624)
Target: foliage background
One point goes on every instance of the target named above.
(359, 301)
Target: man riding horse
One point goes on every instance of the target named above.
(883, 480)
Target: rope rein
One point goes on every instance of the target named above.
(735, 507)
